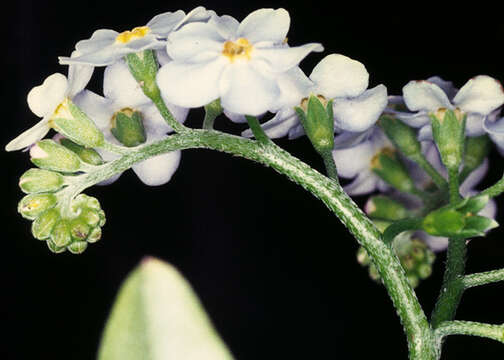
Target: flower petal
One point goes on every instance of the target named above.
(30, 136)
(474, 179)
(43, 99)
(354, 160)
(191, 85)
(281, 59)
(475, 124)
(78, 77)
(265, 25)
(339, 76)
(349, 139)
(162, 24)
(481, 94)
(360, 113)
(245, 91)
(366, 182)
(435, 243)
(121, 87)
(446, 86)
(226, 25)
(294, 86)
(425, 133)
(154, 123)
(415, 120)
(158, 170)
(195, 42)
(279, 126)
(424, 95)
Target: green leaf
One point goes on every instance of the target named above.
(157, 316)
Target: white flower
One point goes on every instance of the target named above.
(335, 77)
(478, 98)
(106, 46)
(122, 92)
(237, 62)
(354, 162)
(47, 100)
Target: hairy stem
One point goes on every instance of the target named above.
(416, 326)
(495, 332)
(330, 165)
(483, 278)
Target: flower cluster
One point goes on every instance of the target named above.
(406, 147)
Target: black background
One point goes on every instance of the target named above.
(274, 269)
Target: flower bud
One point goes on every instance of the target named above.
(77, 247)
(73, 123)
(60, 234)
(383, 207)
(389, 167)
(87, 155)
(43, 225)
(316, 116)
(127, 127)
(401, 135)
(39, 180)
(31, 206)
(50, 155)
(143, 66)
(448, 130)
(444, 222)
(476, 150)
(54, 248)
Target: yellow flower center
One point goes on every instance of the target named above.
(240, 49)
(137, 33)
(126, 111)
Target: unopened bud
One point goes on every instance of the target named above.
(39, 180)
(383, 207)
(77, 247)
(60, 234)
(316, 116)
(127, 127)
(73, 123)
(389, 167)
(54, 248)
(143, 66)
(43, 225)
(448, 130)
(31, 206)
(401, 135)
(87, 155)
(50, 155)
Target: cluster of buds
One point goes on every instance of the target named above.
(63, 220)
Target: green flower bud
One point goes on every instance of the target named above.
(413, 280)
(94, 235)
(401, 135)
(31, 206)
(316, 116)
(143, 66)
(50, 155)
(73, 123)
(127, 127)
(383, 207)
(87, 155)
(363, 257)
(424, 271)
(79, 230)
(39, 180)
(444, 222)
(77, 247)
(54, 248)
(373, 273)
(389, 167)
(43, 225)
(60, 234)
(448, 130)
(476, 150)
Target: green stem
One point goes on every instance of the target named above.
(453, 185)
(483, 278)
(208, 121)
(496, 189)
(167, 115)
(416, 326)
(257, 130)
(330, 165)
(400, 226)
(438, 179)
(453, 284)
(495, 332)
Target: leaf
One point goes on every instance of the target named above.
(157, 316)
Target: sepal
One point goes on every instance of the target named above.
(316, 116)
(385, 208)
(40, 180)
(48, 154)
(448, 130)
(401, 135)
(143, 66)
(88, 155)
(73, 123)
(387, 165)
(127, 127)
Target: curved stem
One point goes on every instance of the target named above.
(416, 326)
(330, 165)
(438, 179)
(495, 189)
(257, 130)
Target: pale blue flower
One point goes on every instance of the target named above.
(107, 46)
(240, 63)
